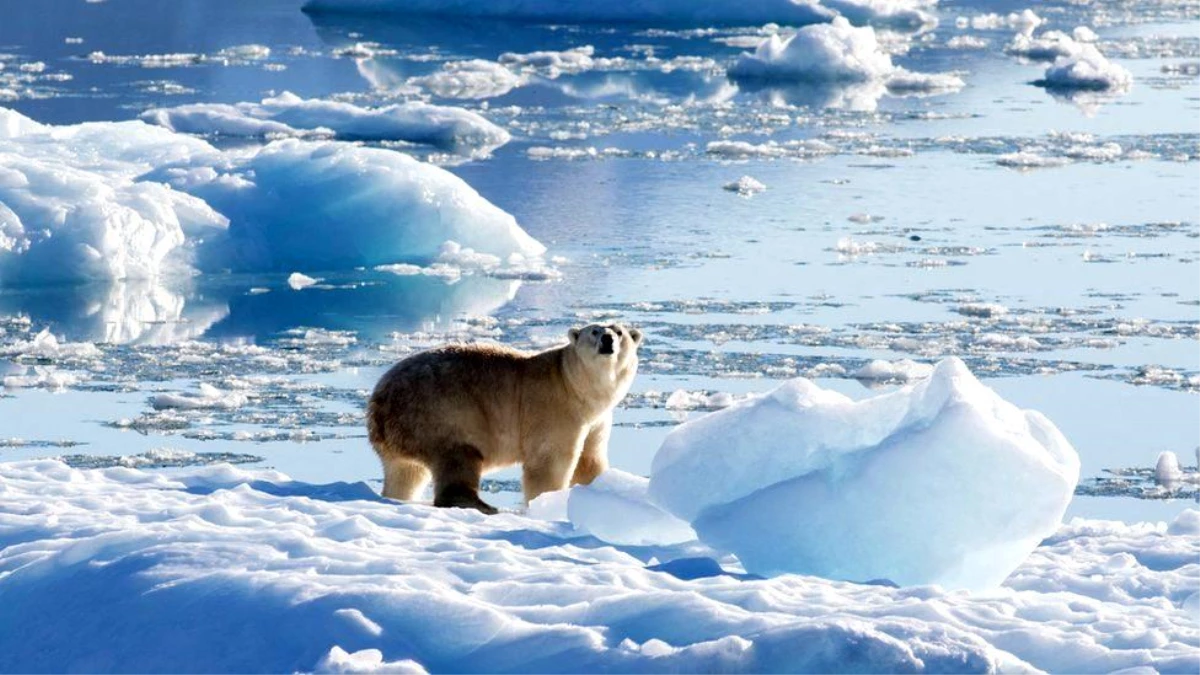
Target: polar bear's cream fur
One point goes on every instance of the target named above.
(455, 412)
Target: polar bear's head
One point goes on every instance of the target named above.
(611, 344)
(603, 362)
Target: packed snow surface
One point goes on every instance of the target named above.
(939, 482)
(445, 127)
(218, 569)
(127, 200)
(832, 53)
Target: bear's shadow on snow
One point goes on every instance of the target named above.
(685, 562)
(327, 492)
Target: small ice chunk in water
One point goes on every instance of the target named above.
(1167, 470)
(300, 281)
(939, 482)
(745, 186)
(209, 397)
(1087, 69)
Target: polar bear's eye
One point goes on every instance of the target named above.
(595, 331)
(617, 331)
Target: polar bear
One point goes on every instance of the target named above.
(455, 412)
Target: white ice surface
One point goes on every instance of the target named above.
(127, 200)
(445, 127)
(833, 53)
(938, 482)
(224, 570)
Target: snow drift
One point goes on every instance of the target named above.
(939, 482)
(225, 570)
(449, 128)
(127, 200)
(833, 53)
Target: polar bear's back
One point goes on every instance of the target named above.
(456, 394)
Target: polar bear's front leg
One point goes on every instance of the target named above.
(550, 465)
(593, 461)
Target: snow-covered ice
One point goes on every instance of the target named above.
(833, 53)
(453, 129)
(806, 480)
(219, 569)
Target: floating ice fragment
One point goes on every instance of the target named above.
(473, 79)
(208, 398)
(299, 281)
(1086, 69)
(745, 186)
(903, 370)
(1166, 469)
(985, 310)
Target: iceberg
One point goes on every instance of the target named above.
(941, 482)
(448, 128)
(128, 200)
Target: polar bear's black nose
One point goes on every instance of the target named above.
(606, 344)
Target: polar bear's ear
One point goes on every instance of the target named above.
(636, 335)
(573, 334)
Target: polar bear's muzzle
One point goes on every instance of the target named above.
(606, 344)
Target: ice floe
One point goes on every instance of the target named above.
(453, 129)
(126, 200)
(830, 464)
(363, 584)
